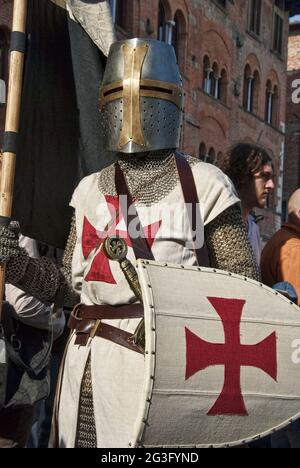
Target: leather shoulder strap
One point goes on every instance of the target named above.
(191, 199)
(140, 247)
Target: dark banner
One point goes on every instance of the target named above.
(59, 134)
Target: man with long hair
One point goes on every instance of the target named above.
(251, 170)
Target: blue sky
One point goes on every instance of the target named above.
(295, 18)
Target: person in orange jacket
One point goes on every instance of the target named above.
(280, 259)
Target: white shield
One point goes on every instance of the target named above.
(222, 358)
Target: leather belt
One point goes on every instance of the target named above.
(87, 322)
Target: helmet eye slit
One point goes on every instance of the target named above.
(156, 89)
(113, 91)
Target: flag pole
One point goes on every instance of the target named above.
(17, 54)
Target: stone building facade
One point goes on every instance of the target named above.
(292, 150)
(232, 57)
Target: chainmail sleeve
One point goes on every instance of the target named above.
(42, 278)
(228, 245)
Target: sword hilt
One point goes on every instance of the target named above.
(115, 249)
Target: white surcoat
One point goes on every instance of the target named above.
(117, 373)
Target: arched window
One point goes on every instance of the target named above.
(278, 26)
(162, 23)
(272, 104)
(255, 16)
(251, 90)
(176, 34)
(215, 92)
(207, 75)
(211, 157)
(256, 89)
(179, 37)
(248, 89)
(275, 116)
(269, 103)
(202, 152)
(223, 86)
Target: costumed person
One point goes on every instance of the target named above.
(251, 170)
(16, 421)
(280, 266)
(280, 259)
(141, 103)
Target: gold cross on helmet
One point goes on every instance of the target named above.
(140, 81)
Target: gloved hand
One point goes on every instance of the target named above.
(287, 289)
(9, 241)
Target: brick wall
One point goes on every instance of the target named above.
(292, 152)
(223, 36)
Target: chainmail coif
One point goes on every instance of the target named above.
(150, 176)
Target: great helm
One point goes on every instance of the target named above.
(141, 97)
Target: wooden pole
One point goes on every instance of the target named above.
(12, 120)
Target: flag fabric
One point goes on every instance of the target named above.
(95, 17)
(59, 132)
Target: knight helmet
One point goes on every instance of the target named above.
(141, 97)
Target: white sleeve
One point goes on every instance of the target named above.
(33, 312)
(215, 191)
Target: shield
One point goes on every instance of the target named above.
(222, 358)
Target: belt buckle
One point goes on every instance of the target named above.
(95, 329)
(75, 312)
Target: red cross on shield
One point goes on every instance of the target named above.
(221, 365)
(232, 355)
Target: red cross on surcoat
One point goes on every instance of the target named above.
(92, 239)
(201, 354)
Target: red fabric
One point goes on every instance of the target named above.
(232, 355)
(92, 239)
(151, 232)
